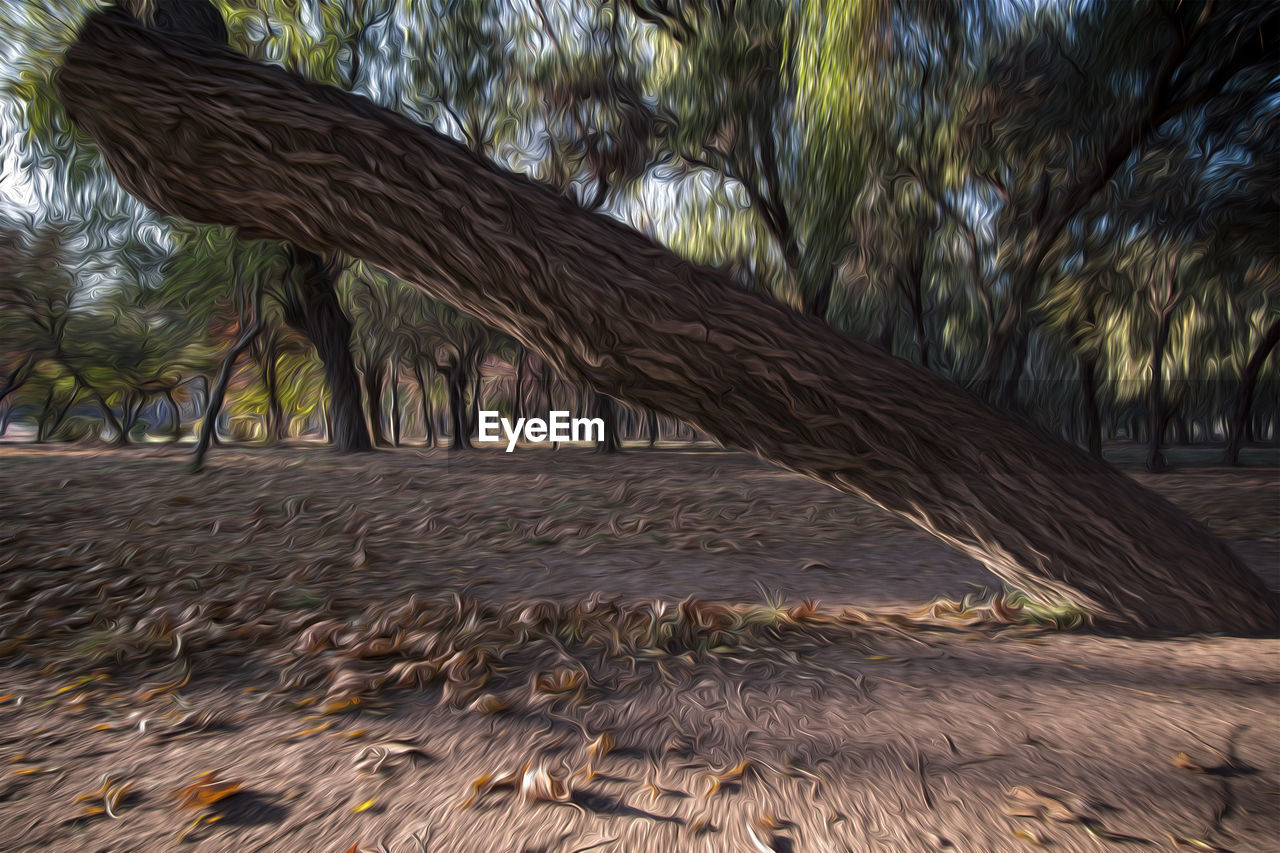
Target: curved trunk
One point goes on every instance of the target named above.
(213, 404)
(1244, 397)
(607, 305)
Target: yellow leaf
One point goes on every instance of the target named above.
(365, 806)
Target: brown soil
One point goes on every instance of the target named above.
(285, 620)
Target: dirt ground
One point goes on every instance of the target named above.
(553, 651)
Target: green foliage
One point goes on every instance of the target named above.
(945, 180)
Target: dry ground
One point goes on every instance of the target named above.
(269, 656)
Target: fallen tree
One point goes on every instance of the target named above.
(197, 131)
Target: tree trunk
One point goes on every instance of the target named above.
(473, 404)
(604, 408)
(1181, 435)
(518, 402)
(455, 384)
(1089, 390)
(275, 411)
(651, 426)
(175, 432)
(213, 406)
(42, 421)
(18, 377)
(330, 170)
(1155, 397)
(427, 414)
(395, 403)
(1244, 397)
(373, 375)
(310, 305)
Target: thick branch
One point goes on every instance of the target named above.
(202, 133)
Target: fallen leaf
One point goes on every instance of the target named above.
(206, 791)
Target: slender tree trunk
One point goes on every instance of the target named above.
(427, 415)
(175, 433)
(130, 410)
(521, 359)
(373, 376)
(6, 416)
(1240, 422)
(922, 335)
(819, 302)
(310, 303)
(455, 381)
(42, 421)
(18, 377)
(1181, 436)
(1089, 390)
(651, 426)
(62, 413)
(270, 378)
(473, 404)
(213, 408)
(171, 116)
(1009, 397)
(604, 408)
(886, 332)
(1155, 397)
(395, 403)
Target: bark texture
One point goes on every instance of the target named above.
(1244, 397)
(310, 305)
(200, 132)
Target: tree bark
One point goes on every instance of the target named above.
(518, 401)
(1155, 397)
(213, 406)
(175, 430)
(329, 170)
(604, 408)
(270, 376)
(1089, 390)
(395, 402)
(18, 377)
(310, 305)
(455, 380)
(373, 375)
(427, 415)
(1244, 397)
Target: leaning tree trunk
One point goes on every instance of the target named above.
(1244, 397)
(197, 131)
